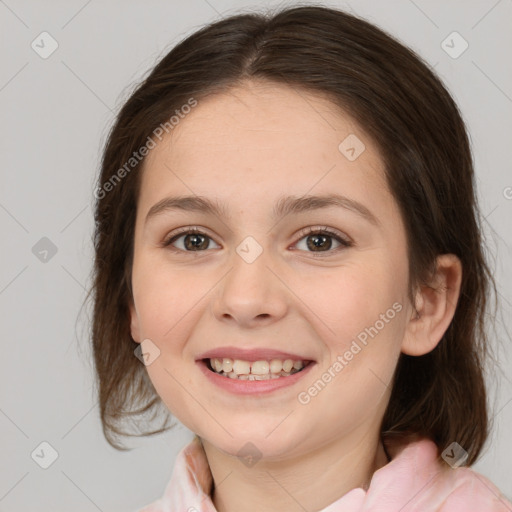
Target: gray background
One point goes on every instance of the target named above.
(55, 115)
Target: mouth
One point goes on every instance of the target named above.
(238, 369)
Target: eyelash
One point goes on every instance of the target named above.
(345, 243)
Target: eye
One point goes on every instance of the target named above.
(193, 240)
(319, 240)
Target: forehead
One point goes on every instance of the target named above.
(265, 136)
(264, 115)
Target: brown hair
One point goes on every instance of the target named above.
(423, 142)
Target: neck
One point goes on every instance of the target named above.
(310, 481)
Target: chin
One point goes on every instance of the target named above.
(255, 443)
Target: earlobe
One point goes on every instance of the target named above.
(435, 305)
(134, 323)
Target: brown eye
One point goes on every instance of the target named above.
(321, 241)
(193, 240)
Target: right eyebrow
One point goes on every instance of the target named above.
(189, 204)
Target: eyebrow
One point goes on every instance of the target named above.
(284, 206)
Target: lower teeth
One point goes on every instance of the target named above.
(268, 376)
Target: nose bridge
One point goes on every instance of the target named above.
(249, 268)
(250, 289)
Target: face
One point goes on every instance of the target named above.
(325, 283)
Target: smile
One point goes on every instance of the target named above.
(249, 381)
(256, 370)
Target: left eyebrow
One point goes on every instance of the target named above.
(284, 206)
(294, 204)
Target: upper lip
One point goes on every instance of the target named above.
(254, 354)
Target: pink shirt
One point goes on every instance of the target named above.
(413, 481)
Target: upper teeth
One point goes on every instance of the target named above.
(241, 367)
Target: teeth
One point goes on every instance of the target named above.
(256, 370)
(276, 366)
(227, 365)
(233, 375)
(260, 368)
(241, 367)
(288, 365)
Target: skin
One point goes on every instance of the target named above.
(246, 148)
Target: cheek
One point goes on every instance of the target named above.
(170, 384)
(348, 299)
(166, 298)
(356, 382)
(360, 315)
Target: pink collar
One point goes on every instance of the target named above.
(415, 479)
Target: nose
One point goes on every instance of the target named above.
(252, 293)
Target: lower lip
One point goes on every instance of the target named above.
(252, 387)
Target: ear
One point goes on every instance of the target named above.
(435, 305)
(134, 323)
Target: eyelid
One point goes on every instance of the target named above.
(323, 229)
(344, 241)
(169, 239)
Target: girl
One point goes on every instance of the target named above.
(290, 198)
